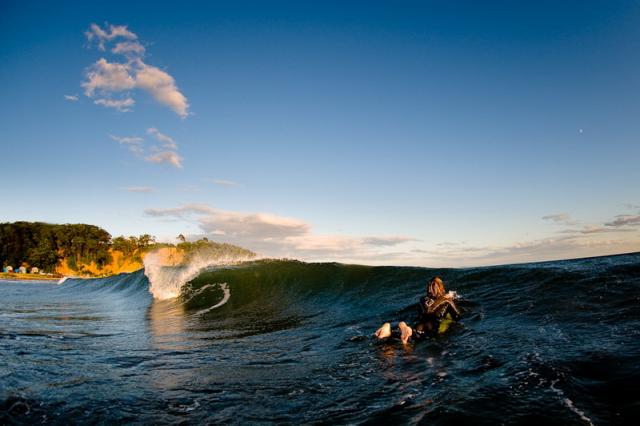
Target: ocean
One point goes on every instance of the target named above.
(287, 342)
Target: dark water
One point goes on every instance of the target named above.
(547, 343)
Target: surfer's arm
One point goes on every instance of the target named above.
(453, 310)
(444, 306)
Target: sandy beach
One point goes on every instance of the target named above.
(28, 277)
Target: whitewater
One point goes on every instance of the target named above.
(231, 340)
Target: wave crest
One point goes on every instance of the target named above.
(167, 276)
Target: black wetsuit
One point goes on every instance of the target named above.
(430, 313)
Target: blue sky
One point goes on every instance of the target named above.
(421, 133)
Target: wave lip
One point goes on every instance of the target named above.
(167, 277)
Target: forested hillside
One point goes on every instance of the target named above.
(86, 249)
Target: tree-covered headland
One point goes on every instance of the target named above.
(81, 249)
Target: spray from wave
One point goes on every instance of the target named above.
(167, 275)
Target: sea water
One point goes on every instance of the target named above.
(291, 342)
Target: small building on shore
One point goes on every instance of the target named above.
(22, 270)
(7, 269)
(34, 270)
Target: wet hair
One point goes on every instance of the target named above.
(435, 288)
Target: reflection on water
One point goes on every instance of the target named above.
(167, 324)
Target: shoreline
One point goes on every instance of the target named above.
(29, 277)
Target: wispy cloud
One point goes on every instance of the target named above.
(140, 189)
(386, 241)
(110, 80)
(102, 36)
(169, 157)
(621, 223)
(127, 139)
(562, 247)
(560, 218)
(167, 141)
(549, 248)
(122, 105)
(593, 229)
(224, 183)
(71, 98)
(624, 220)
(133, 143)
(128, 48)
(164, 153)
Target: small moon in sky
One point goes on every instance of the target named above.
(580, 131)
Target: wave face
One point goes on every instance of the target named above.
(290, 342)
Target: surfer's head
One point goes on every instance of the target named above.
(435, 288)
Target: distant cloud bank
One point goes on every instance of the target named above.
(278, 236)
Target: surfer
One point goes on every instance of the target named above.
(437, 310)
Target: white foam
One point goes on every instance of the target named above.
(225, 298)
(569, 404)
(167, 281)
(201, 290)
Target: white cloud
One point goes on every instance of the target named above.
(152, 154)
(166, 152)
(106, 77)
(167, 141)
(261, 226)
(169, 157)
(162, 87)
(109, 78)
(71, 98)
(141, 189)
(128, 48)
(122, 105)
(95, 32)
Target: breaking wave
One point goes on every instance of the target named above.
(233, 340)
(166, 282)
